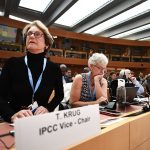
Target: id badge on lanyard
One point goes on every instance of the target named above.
(34, 104)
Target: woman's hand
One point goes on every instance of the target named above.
(21, 114)
(102, 100)
(98, 78)
(40, 110)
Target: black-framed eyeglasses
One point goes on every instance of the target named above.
(36, 34)
(100, 68)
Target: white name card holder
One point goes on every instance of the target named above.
(57, 130)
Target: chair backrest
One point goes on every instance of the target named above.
(113, 87)
(108, 94)
(67, 90)
(65, 102)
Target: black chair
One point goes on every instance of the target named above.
(112, 89)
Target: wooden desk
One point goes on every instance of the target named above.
(125, 111)
(132, 133)
(140, 132)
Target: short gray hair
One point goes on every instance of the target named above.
(124, 72)
(63, 66)
(48, 37)
(98, 58)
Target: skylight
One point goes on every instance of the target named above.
(132, 13)
(124, 34)
(19, 19)
(80, 10)
(38, 5)
(145, 39)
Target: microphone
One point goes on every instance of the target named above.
(147, 106)
(8, 133)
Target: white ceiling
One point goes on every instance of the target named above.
(127, 19)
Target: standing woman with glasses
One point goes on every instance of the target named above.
(27, 82)
(90, 88)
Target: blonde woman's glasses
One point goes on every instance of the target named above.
(36, 34)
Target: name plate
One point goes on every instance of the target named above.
(57, 130)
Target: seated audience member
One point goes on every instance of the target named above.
(69, 75)
(130, 81)
(31, 79)
(65, 77)
(140, 78)
(90, 88)
(147, 83)
(117, 75)
(132, 74)
(63, 68)
(112, 76)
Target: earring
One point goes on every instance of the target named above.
(46, 47)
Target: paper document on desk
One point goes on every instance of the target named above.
(145, 99)
(111, 121)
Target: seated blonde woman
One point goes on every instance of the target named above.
(90, 88)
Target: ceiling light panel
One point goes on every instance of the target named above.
(136, 30)
(130, 14)
(38, 5)
(19, 19)
(80, 10)
(145, 39)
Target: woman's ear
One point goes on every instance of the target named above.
(91, 67)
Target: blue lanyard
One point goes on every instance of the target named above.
(92, 94)
(31, 78)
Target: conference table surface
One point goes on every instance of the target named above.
(10, 140)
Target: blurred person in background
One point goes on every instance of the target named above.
(130, 81)
(112, 76)
(140, 78)
(66, 74)
(147, 84)
(69, 75)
